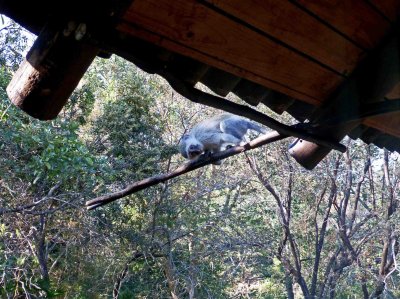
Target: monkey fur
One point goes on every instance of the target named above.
(216, 134)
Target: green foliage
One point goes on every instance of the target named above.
(80, 105)
(127, 129)
(13, 41)
(47, 153)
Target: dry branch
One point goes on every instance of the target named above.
(192, 165)
(302, 131)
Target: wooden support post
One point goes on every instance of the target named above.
(52, 69)
(309, 154)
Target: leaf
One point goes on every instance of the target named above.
(89, 161)
(21, 261)
(36, 138)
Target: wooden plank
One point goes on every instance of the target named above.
(388, 123)
(203, 32)
(390, 8)
(394, 93)
(293, 26)
(356, 19)
(211, 61)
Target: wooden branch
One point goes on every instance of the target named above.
(192, 165)
(198, 96)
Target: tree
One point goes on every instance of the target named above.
(258, 226)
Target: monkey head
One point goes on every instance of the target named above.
(190, 147)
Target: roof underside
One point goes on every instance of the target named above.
(291, 56)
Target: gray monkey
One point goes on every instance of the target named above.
(216, 134)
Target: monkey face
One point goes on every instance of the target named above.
(190, 147)
(194, 150)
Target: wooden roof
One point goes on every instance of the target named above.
(334, 63)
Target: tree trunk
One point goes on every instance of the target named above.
(289, 286)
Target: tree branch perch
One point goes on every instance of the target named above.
(192, 165)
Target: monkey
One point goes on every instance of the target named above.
(216, 134)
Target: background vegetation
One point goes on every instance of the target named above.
(258, 226)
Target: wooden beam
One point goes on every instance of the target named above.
(394, 93)
(366, 112)
(355, 19)
(388, 123)
(51, 71)
(371, 81)
(192, 29)
(390, 8)
(32, 15)
(297, 29)
(209, 61)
